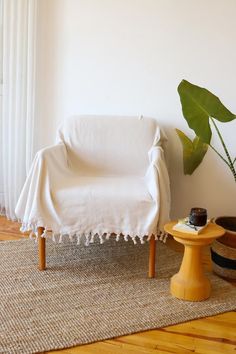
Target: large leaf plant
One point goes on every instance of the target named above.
(202, 109)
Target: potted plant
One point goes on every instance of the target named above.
(202, 109)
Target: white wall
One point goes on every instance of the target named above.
(127, 57)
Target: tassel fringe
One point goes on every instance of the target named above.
(88, 237)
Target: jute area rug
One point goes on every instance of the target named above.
(91, 293)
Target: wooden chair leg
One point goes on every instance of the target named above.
(41, 250)
(152, 254)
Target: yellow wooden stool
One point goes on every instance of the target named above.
(190, 283)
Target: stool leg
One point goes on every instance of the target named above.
(190, 283)
(41, 250)
(152, 254)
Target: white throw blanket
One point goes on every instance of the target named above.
(105, 175)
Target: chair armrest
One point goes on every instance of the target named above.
(158, 183)
(43, 173)
(54, 156)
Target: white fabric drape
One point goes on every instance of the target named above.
(106, 175)
(17, 121)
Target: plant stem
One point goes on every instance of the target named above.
(229, 163)
(222, 158)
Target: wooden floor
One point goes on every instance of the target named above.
(211, 335)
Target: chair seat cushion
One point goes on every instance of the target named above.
(104, 204)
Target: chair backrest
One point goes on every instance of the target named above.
(109, 145)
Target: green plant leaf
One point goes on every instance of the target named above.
(198, 105)
(193, 152)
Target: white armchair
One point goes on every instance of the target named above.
(105, 176)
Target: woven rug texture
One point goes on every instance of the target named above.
(91, 293)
